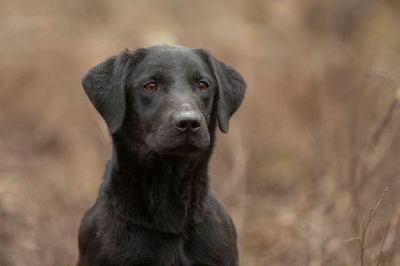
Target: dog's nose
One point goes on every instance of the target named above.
(187, 122)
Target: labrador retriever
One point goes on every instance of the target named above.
(162, 105)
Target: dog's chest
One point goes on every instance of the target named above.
(154, 248)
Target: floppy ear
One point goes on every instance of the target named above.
(231, 90)
(104, 84)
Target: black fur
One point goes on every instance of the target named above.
(155, 206)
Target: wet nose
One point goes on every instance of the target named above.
(187, 122)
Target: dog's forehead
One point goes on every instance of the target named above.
(173, 58)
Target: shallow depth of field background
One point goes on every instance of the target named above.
(312, 149)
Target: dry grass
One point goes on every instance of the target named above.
(313, 147)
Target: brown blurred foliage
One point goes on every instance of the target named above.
(312, 149)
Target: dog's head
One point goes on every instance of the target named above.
(171, 92)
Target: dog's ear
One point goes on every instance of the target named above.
(104, 84)
(231, 90)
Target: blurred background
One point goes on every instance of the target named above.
(311, 151)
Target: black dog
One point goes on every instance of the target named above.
(155, 207)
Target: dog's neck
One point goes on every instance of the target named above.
(156, 191)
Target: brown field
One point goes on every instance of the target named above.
(310, 152)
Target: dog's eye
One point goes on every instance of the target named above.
(150, 86)
(202, 86)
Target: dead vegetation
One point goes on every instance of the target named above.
(313, 147)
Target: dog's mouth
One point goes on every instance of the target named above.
(180, 145)
(183, 145)
(183, 150)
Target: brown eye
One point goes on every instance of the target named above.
(150, 86)
(202, 86)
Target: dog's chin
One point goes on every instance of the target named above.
(182, 150)
(179, 148)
